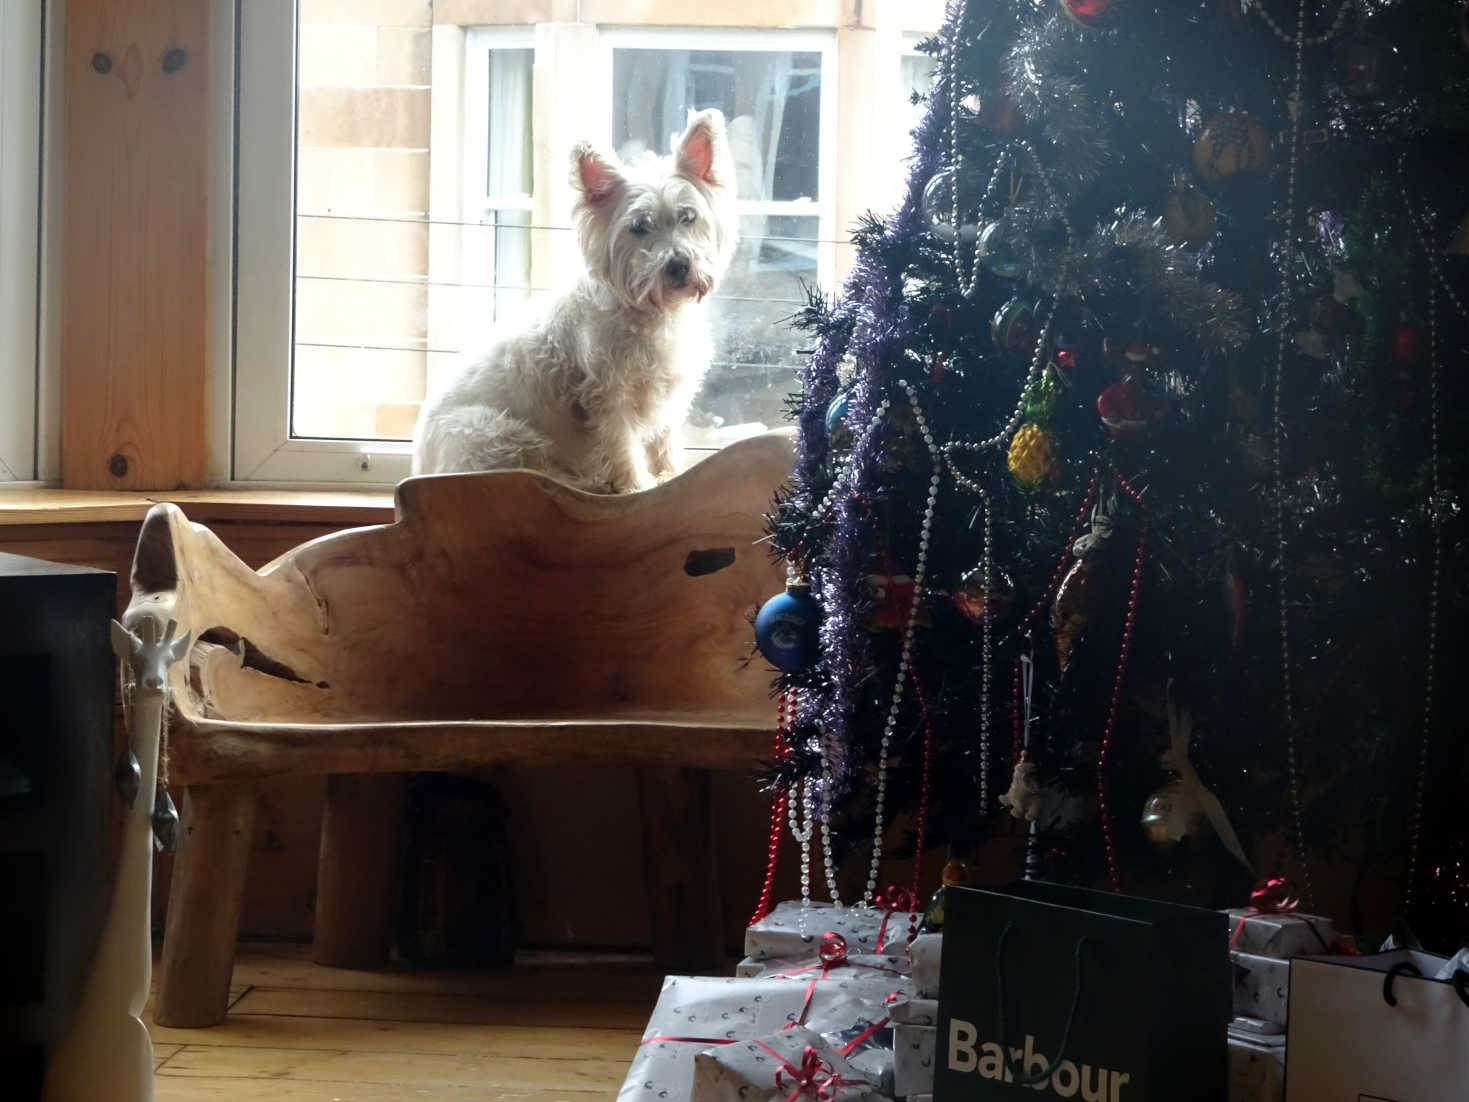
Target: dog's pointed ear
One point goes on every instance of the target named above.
(595, 174)
(703, 149)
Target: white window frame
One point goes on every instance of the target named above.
(755, 40)
(261, 450)
(22, 76)
(478, 203)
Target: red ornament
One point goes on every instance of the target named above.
(1066, 360)
(1126, 409)
(1407, 346)
(892, 595)
(1090, 13)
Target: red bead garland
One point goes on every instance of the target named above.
(785, 711)
(1104, 817)
(924, 790)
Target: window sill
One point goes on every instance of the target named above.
(343, 507)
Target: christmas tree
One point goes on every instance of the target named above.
(1125, 531)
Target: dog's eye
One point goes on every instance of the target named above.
(688, 216)
(639, 228)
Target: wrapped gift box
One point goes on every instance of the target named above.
(794, 929)
(1261, 986)
(713, 1012)
(925, 953)
(914, 1011)
(867, 1044)
(895, 964)
(775, 1065)
(1279, 935)
(1256, 1070)
(913, 1051)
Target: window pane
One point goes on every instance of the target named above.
(509, 168)
(771, 99)
(755, 359)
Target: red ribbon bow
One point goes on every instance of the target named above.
(894, 901)
(815, 1076)
(1270, 896)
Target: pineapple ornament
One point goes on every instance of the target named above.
(1033, 459)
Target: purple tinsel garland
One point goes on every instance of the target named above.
(880, 332)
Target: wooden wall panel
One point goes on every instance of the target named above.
(134, 311)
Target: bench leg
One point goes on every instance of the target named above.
(682, 868)
(218, 826)
(358, 873)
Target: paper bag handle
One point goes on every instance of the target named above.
(1459, 980)
(1021, 1077)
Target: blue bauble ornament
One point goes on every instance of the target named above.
(838, 434)
(786, 629)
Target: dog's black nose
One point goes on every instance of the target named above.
(678, 269)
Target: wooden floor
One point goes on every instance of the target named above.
(555, 1027)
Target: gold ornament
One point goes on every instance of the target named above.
(1079, 593)
(1180, 808)
(1188, 215)
(955, 872)
(1172, 814)
(1033, 459)
(1231, 143)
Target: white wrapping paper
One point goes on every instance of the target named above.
(925, 952)
(913, 1049)
(725, 1010)
(1261, 986)
(1279, 935)
(1256, 1071)
(915, 1011)
(749, 1071)
(793, 929)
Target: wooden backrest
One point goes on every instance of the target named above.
(501, 595)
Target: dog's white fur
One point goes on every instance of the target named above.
(595, 392)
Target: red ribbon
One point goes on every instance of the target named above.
(856, 1042)
(815, 1076)
(833, 953)
(893, 901)
(1270, 896)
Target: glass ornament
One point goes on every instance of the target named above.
(838, 432)
(1004, 249)
(1013, 328)
(938, 208)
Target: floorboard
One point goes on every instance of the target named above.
(555, 1028)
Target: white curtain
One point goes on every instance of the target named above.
(508, 171)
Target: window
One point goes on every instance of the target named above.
(775, 91)
(20, 169)
(403, 186)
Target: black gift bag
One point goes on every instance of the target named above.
(1049, 991)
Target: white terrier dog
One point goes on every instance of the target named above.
(596, 391)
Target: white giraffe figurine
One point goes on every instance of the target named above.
(106, 1053)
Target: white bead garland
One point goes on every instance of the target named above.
(900, 683)
(1300, 37)
(1287, 702)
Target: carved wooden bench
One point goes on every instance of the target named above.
(501, 619)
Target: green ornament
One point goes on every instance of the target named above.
(1040, 398)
